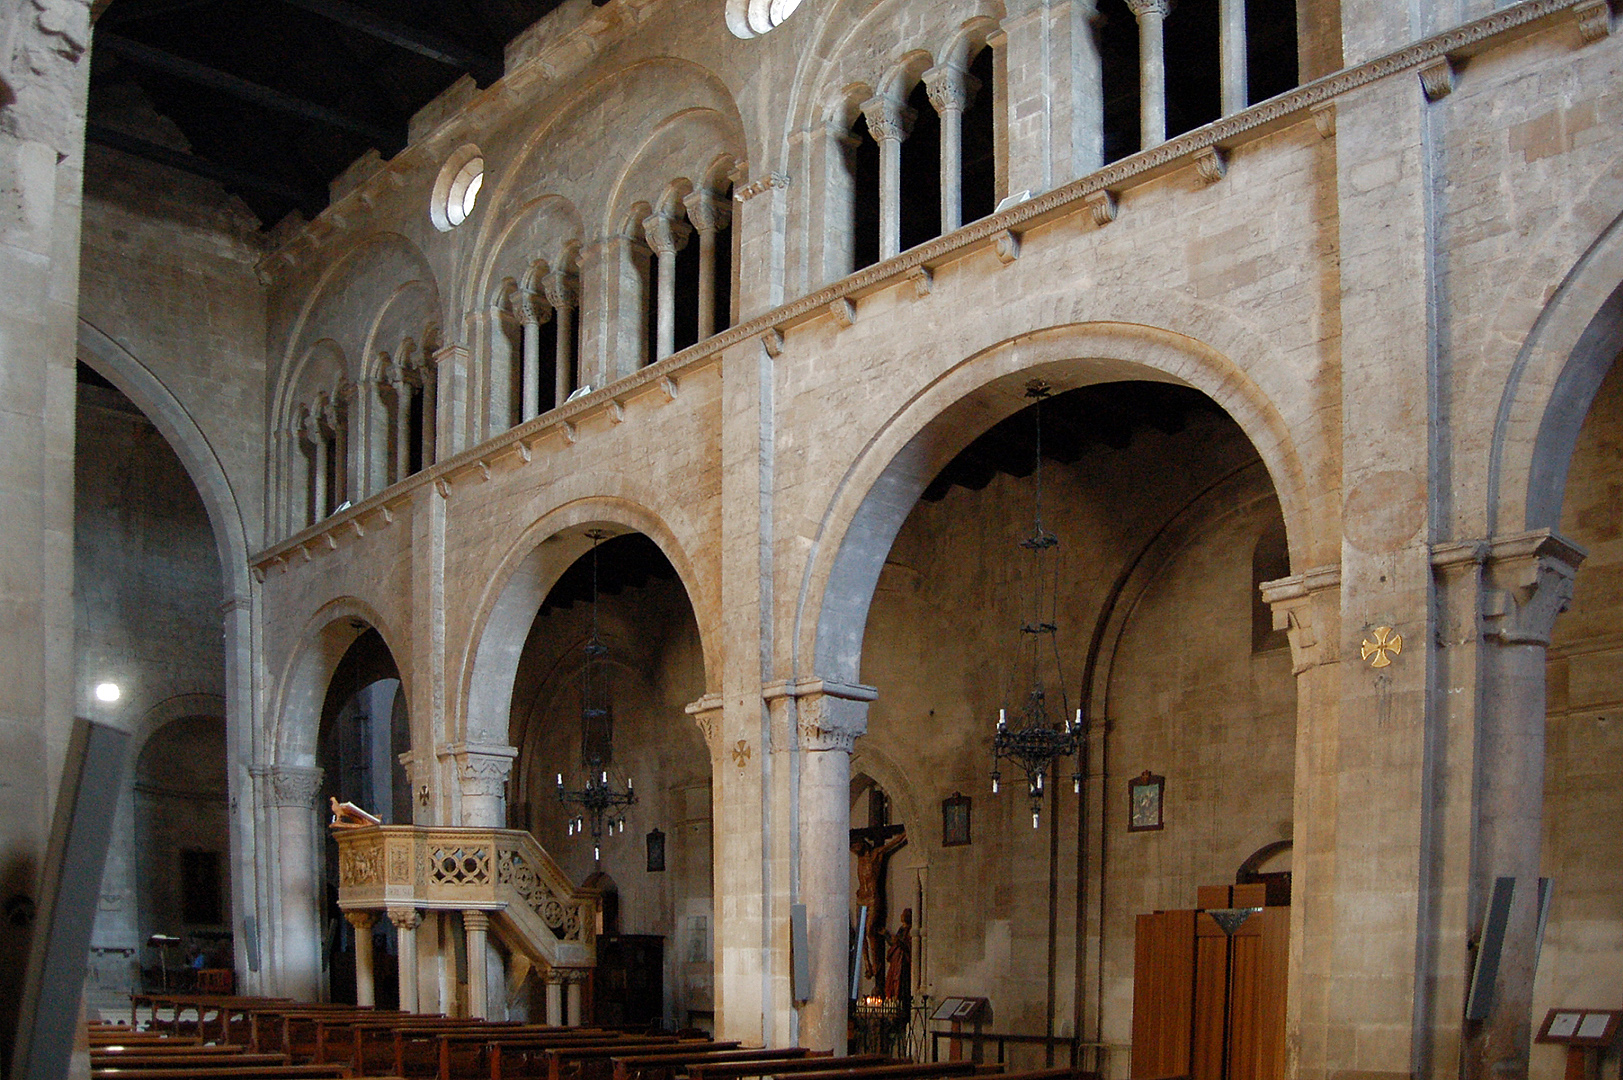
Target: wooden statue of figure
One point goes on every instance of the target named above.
(872, 855)
(899, 962)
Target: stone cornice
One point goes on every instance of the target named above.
(1081, 195)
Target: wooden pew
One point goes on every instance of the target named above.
(198, 1063)
(665, 1066)
(166, 1048)
(254, 1072)
(908, 1071)
(452, 1048)
(735, 1070)
(380, 1034)
(596, 1063)
(507, 1054)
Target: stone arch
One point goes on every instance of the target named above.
(845, 105)
(1570, 347)
(540, 232)
(879, 489)
(137, 382)
(404, 316)
(969, 39)
(683, 144)
(532, 565)
(302, 688)
(900, 78)
(903, 793)
(170, 709)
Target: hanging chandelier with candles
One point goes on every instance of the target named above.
(601, 804)
(1036, 740)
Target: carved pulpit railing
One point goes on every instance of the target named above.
(499, 876)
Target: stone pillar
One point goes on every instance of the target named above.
(318, 438)
(362, 922)
(447, 388)
(889, 122)
(951, 90)
(666, 236)
(338, 413)
(574, 997)
(827, 720)
(293, 791)
(563, 293)
(708, 215)
(476, 924)
(554, 981)
(406, 921)
(533, 310)
(503, 325)
(1152, 76)
(1526, 581)
(1231, 42)
(400, 381)
(482, 772)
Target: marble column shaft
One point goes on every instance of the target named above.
(1152, 74)
(889, 122)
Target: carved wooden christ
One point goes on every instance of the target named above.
(873, 849)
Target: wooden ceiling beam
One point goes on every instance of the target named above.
(484, 68)
(226, 176)
(387, 140)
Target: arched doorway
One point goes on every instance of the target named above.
(1166, 515)
(660, 861)
(364, 730)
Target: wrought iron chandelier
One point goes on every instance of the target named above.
(1037, 741)
(603, 805)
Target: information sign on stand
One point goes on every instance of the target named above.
(959, 1011)
(1586, 1033)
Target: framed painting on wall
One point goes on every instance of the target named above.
(1144, 795)
(955, 820)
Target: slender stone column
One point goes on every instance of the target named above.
(362, 922)
(401, 383)
(1526, 582)
(315, 431)
(1152, 74)
(428, 374)
(406, 921)
(293, 791)
(1231, 39)
(554, 980)
(476, 924)
(828, 718)
(533, 310)
(889, 122)
(296, 484)
(563, 293)
(337, 417)
(952, 90)
(575, 981)
(708, 215)
(666, 236)
(482, 775)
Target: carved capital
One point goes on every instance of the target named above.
(405, 918)
(666, 235)
(361, 920)
(482, 769)
(1142, 8)
(562, 289)
(888, 121)
(770, 181)
(1527, 582)
(950, 88)
(828, 715)
(294, 785)
(1437, 78)
(707, 213)
(1308, 608)
(706, 713)
(533, 308)
(476, 922)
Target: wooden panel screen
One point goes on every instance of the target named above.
(1163, 994)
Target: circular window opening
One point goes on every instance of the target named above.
(752, 18)
(457, 189)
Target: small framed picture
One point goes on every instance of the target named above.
(1144, 793)
(656, 852)
(955, 820)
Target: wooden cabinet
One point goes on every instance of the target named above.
(629, 984)
(1201, 987)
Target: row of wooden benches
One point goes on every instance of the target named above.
(206, 1037)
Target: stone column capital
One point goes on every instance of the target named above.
(707, 213)
(476, 922)
(1527, 583)
(361, 920)
(1307, 607)
(562, 289)
(950, 88)
(706, 713)
(294, 785)
(533, 308)
(828, 715)
(481, 769)
(666, 235)
(1141, 8)
(888, 121)
(405, 918)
